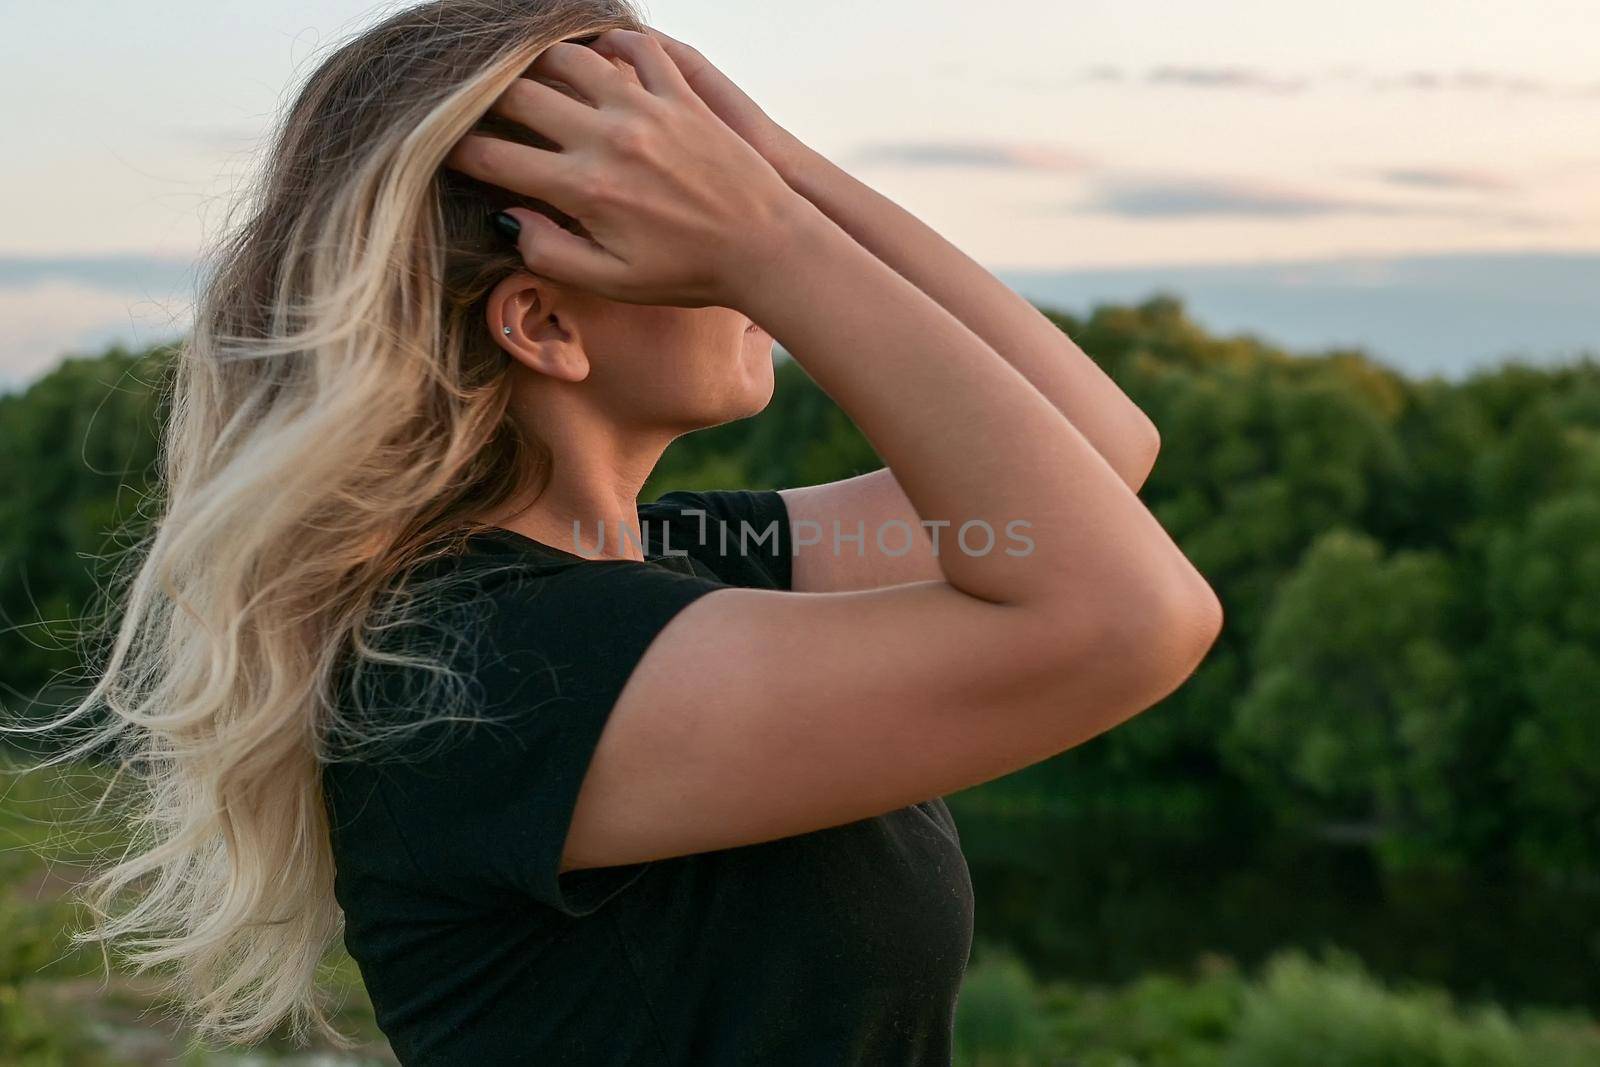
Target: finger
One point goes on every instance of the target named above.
(583, 69)
(547, 110)
(680, 52)
(622, 67)
(562, 256)
(657, 72)
(520, 168)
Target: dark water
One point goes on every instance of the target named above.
(1092, 900)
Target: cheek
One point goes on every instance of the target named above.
(695, 366)
(665, 353)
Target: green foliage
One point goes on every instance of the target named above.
(1358, 702)
(37, 1031)
(77, 455)
(1158, 1019)
(1390, 662)
(1001, 1021)
(1303, 1014)
(60, 1005)
(1297, 1012)
(1544, 596)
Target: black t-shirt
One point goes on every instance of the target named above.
(838, 947)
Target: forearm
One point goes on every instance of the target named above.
(1007, 322)
(969, 439)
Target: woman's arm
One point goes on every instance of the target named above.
(757, 714)
(1013, 327)
(1008, 323)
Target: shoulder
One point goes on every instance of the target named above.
(498, 625)
(485, 734)
(565, 610)
(742, 535)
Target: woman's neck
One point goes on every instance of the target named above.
(590, 504)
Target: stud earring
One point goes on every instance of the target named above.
(507, 330)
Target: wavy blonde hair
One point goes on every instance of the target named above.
(337, 415)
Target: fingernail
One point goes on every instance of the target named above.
(506, 224)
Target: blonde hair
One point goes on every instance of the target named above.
(337, 414)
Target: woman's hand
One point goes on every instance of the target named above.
(680, 209)
(733, 106)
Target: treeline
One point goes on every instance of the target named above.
(1410, 570)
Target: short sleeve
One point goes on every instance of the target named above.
(742, 535)
(484, 807)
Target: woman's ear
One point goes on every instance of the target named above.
(528, 322)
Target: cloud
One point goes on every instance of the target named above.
(1186, 197)
(1182, 196)
(1253, 80)
(1477, 81)
(991, 155)
(1104, 74)
(1180, 76)
(1446, 178)
(1224, 78)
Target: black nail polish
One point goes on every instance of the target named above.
(506, 224)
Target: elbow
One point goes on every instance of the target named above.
(1205, 621)
(1153, 645)
(1189, 620)
(1142, 453)
(1122, 663)
(1179, 634)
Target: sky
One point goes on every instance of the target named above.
(1049, 139)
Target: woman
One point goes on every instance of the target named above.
(582, 780)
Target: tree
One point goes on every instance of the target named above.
(1544, 595)
(1356, 705)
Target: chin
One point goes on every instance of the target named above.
(744, 407)
(751, 400)
(708, 411)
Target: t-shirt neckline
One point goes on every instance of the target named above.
(673, 561)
